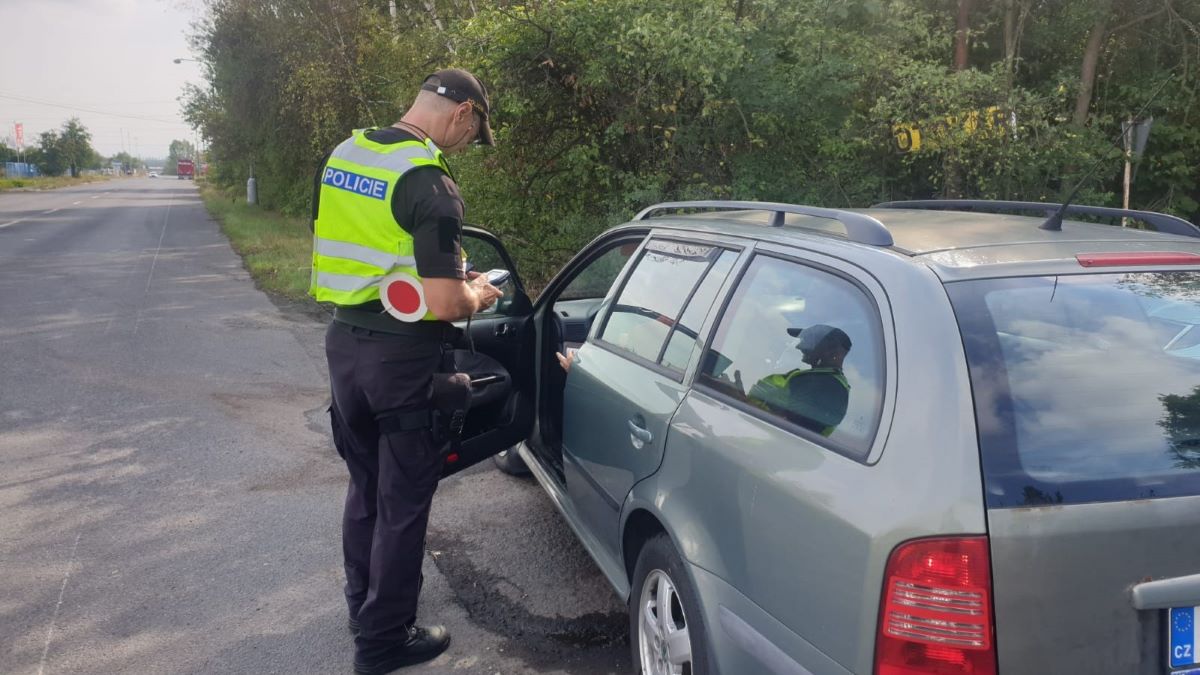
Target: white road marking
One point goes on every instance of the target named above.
(49, 212)
(95, 197)
(54, 618)
(150, 277)
(78, 202)
(11, 222)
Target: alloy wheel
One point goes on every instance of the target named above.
(663, 638)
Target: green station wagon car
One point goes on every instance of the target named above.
(925, 437)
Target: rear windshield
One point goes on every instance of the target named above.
(1087, 387)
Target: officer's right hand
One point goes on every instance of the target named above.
(487, 293)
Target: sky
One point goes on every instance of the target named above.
(108, 62)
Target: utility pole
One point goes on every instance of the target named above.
(1135, 133)
(1127, 137)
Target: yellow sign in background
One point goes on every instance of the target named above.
(915, 137)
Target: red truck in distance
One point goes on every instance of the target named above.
(185, 169)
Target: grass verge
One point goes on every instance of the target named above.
(276, 249)
(47, 182)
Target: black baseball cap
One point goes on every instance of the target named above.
(460, 86)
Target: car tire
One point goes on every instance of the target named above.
(509, 461)
(658, 638)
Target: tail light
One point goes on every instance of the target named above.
(936, 610)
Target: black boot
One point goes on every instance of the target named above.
(422, 644)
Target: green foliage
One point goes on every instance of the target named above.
(276, 249)
(126, 160)
(68, 150)
(604, 106)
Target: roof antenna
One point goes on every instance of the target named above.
(1054, 221)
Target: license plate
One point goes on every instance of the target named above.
(1183, 630)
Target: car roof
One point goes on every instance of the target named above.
(956, 244)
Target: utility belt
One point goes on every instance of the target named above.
(446, 412)
(381, 322)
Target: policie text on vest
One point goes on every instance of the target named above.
(352, 182)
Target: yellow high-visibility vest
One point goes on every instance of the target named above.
(772, 393)
(356, 239)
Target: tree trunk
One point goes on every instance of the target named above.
(1087, 71)
(1010, 40)
(432, 9)
(962, 35)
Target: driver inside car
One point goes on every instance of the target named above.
(815, 398)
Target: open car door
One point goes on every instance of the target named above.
(498, 353)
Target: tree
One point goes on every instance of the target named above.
(75, 146)
(603, 107)
(127, 161)
(962, 35)
(51, 160)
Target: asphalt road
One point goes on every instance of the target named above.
(170, 499)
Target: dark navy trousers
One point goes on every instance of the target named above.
(393, 475)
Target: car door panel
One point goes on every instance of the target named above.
(497, 345)
(619, 397)
(605, 394)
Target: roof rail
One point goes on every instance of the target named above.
(1162, 222)
(859, 227)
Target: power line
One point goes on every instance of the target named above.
(97, 112)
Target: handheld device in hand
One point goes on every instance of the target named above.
(497, 277)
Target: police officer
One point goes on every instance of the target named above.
(388, 215)
(816, 398)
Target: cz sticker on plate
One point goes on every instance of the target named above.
(1183, 632)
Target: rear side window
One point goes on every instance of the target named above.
(1086, 387)
(650, 307)
(803, 348)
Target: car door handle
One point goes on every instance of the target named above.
(502, 329)
(638, 434)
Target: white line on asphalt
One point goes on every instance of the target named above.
(11, 222)
(95, 197)
(54, 617)
(78, 202)
(49, 212)
(150, 277)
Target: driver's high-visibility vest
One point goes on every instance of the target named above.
(356, 239)
(774, 391)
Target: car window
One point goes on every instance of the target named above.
(595, 279)
(682, 341)
(482, 256)
(652, 298)
(1086, 387)
(804, 348)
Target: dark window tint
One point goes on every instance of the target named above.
(653, 297)
(802, 346)
(1087, 388)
